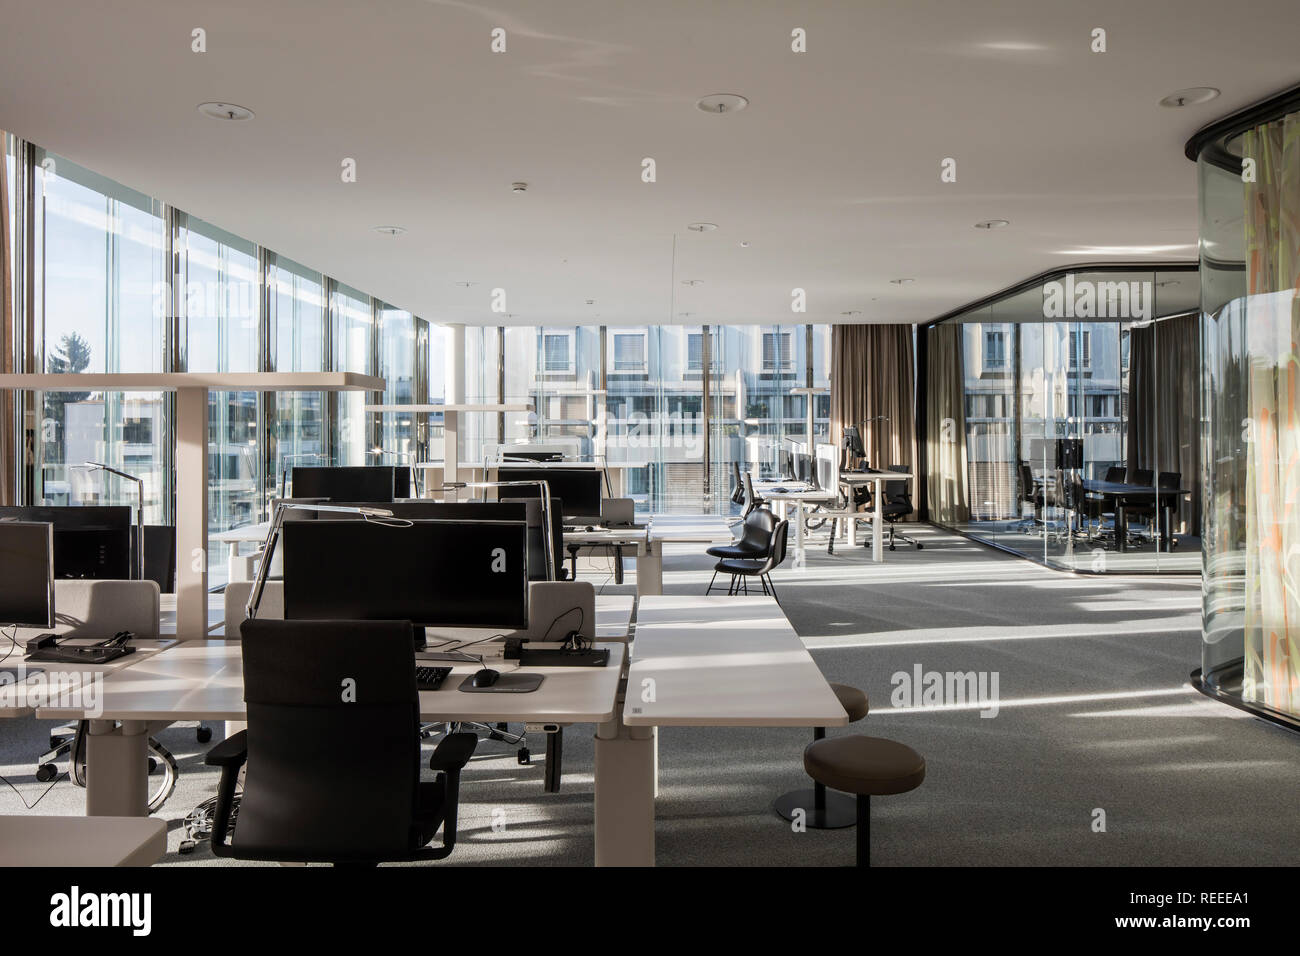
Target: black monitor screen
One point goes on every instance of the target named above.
(27, 581)
(351, 483)
(578, 488)
(431, 573)
(853, 441)
(89, 542)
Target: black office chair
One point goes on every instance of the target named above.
(897, 505)
(1168, 482)
(1142, 505)
(333, 750)
(754, 544)
(741, 570)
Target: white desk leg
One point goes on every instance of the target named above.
(117, 780)
(853, 528)
(877, 521)
(625, 785)
(191, 513)
(650, 569)
(799, 556)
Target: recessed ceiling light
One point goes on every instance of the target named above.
(992, 223)
(722, 103)
(1189, 97)
(692, 281)
(466, 283)
(390, 230)
(225, 111)
(902, 281)
(744, 244)
(702, 226)
(591, 302)
(519, 187)
(852, 312)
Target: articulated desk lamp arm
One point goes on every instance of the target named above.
(273, 538)
(139, 513)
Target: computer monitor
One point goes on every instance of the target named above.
(91, 541)
(785, 463)
(579, 488)
(401, 483)
(431, 573)
(27, 584)
(369, 483)
(853, 441)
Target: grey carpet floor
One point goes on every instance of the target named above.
(1096, 714)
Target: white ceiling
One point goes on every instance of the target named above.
(831, 175)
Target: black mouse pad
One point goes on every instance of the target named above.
(511, 683)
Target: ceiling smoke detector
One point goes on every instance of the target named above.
(390, 230)
(1189, 97)
(519, 187)
(902, 281)
(226, 111)
(702, 226)
(992, 223)
(720, 103)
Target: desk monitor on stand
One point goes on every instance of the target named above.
(370, 483)
(27, 585)
(852, 442)
(579, 488)
(91, 541)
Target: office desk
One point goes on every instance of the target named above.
(698, 662)
(664, 529)
(636, 537)
(81, 841)
(73, 674)
(877, 479)
(798, 498)
(1116, 491)
(203, 680)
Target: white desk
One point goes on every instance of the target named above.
(797, 498)
(81, 841)
(192, 390)
(71, 675)
(663, 529)
(203, 680)
(697, 662)
(878, 479)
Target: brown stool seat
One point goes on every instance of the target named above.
(868, 766)
(852, 700)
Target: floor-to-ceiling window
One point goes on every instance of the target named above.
(352, 340)
(1064, 422)
(296, 298)
(100, 296)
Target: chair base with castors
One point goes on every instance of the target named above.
(822, 809)
(865, 767)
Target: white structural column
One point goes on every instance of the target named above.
(191, 513)
(454, 365)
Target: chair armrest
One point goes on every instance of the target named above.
(231, 752)
(453, 752)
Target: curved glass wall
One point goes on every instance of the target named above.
(1250, 289)
(1064, 421)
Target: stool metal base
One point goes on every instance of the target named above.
(840, 810)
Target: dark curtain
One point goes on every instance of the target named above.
(1164, 407)
(872, 374)
(8, 436)
(948, 495)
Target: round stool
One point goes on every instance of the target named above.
(867, 767)
(822, 810)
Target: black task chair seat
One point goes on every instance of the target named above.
(755, 538)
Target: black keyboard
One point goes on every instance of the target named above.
(430, 678)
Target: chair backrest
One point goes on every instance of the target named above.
(1026, 482)
(1116, 473)
(333, 739)
(618, 512)
(751, 499)
(1143, 476)
(776, 551)
(737, 485)
(757, 531)
(1170, 480)
(235, 600)
(898, 492)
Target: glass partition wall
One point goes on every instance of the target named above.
(1249, 173)
(1064, 423)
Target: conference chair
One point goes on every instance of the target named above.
(333, 750)
(742, 569)
(896, 506)
(1142, 505)
(737, 485)
(753, 545)
(752, 500)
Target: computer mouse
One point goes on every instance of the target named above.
(485, 677)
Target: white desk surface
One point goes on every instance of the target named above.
(81, 841)
(608, 536)
(203, 680)
(248, 532)
(724, 661)
(70, 672)
(706, 529)
(613, 615)
(863, 477)
(809, 495)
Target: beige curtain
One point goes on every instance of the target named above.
(8, 436)
(873, 378)
(1272, 619)
(947, 476)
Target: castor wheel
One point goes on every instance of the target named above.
(46, 772)
(204, 734)
(920, 547)
(187, 847)
(892, 548)
(153, 765)
(524, 756)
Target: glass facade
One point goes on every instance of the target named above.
(1250, 276)
(106, 298)
(1064, 421)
